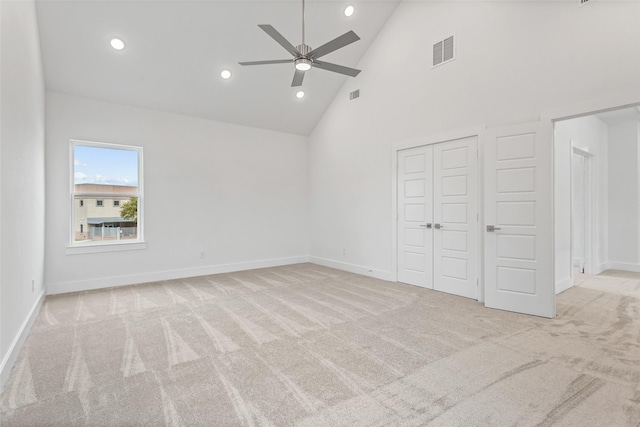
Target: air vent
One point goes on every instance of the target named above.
(354, 95)
(443, 51)
(583, 2)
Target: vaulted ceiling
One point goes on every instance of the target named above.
(175, 51)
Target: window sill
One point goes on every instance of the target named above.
(111, 247)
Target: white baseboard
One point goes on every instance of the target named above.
(353, 268)
(563, 285)
(602, 267)
(132, 279)
(626, 266)
(14, 349)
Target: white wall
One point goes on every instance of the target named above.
(514, 60)
(239, 194)
(590, 134)
(623, 195)
(22, 208)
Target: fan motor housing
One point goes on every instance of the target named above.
(304, 49)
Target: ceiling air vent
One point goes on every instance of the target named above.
(354, 95)
(583, 2)
(443, 51)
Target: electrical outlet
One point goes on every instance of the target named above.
(202, 254)
(344, 251)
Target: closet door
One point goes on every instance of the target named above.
(455, 265)
(415, 216)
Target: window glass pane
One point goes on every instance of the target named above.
(105, 166)
(106, 180)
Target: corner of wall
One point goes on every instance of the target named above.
(22, 196)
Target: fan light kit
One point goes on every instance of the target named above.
(303, 64)
(225, 74)
(305, 58)
(117, 44)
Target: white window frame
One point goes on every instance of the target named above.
(102, 246)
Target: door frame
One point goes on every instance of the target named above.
(474, 132)
(586, 108)
(590, 203)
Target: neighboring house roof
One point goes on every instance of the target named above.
(106, 188)
(106, 219)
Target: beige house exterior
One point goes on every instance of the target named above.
(97, 212)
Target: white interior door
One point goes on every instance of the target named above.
(415, 211)
(518, 203)
(455, 235)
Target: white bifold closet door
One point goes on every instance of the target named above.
(437, 217)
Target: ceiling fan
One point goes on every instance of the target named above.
(304, 57)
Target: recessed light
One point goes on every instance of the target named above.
(117, 44)
(300, 94)
(225, 74)
(348, 11)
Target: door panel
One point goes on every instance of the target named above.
(518, 193)
(455, 203)
(415, 207)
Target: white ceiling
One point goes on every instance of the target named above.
(175, 51)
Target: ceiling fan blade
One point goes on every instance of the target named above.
(335, 44)
(336, 68)
(275, 61)
(297, 78)
(280, 39)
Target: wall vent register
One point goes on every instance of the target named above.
(443, 51)
(354, 95)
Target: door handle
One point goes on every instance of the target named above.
(427, 225)
(438, 226)
(492, 228)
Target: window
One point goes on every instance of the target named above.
(109, 177)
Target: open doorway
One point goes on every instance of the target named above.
(581, 211)
(597, 194)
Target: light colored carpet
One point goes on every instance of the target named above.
(311, 346)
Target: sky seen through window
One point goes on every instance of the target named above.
(108, 166)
